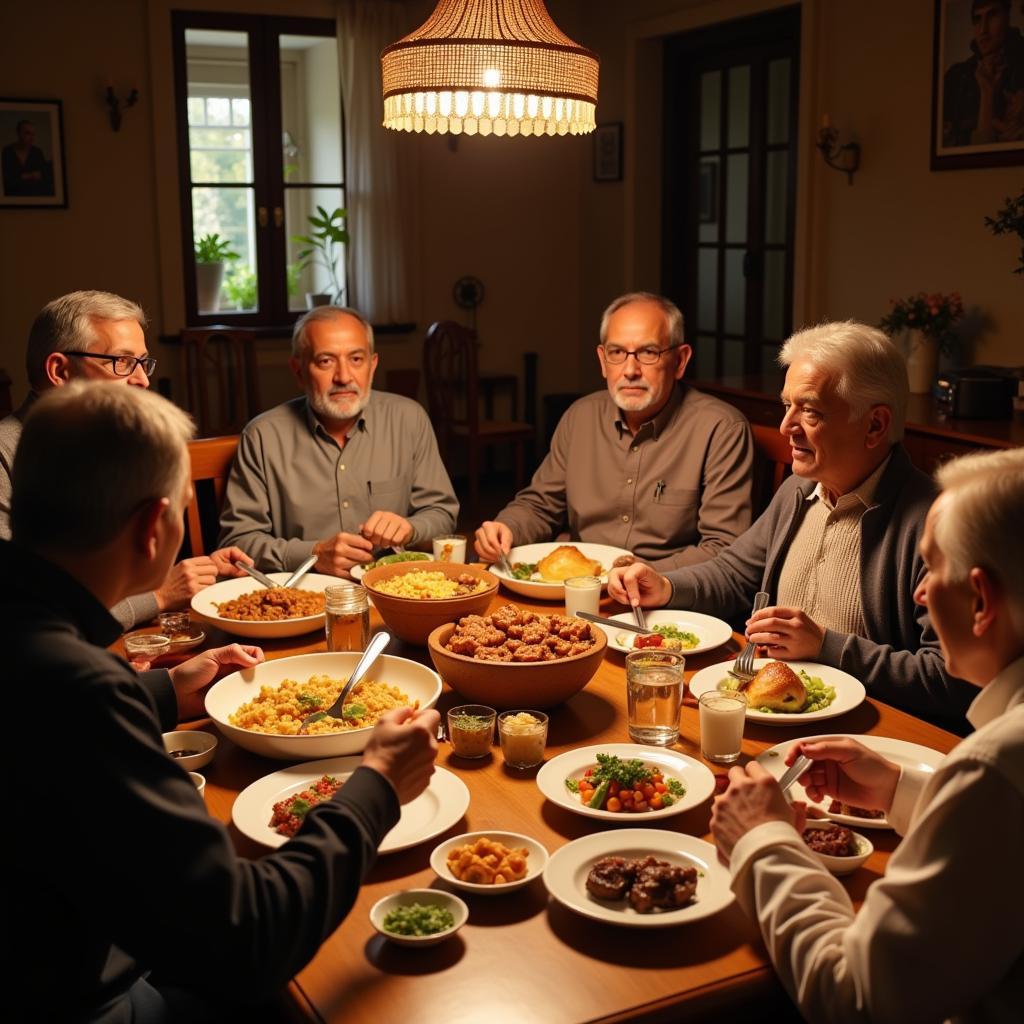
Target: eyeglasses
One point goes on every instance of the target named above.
(123, 366)
(648, 355)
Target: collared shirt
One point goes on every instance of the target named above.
(674, 494)
(821, 571)
(292, 485)
(939, 936)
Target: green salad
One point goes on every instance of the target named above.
(523, 570)
(819, 696)
(398, 556)
(417, 919)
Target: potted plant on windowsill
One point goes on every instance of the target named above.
(322, 248)
(927, 321)
(212, 255)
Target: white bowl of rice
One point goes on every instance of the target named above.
(261, 708)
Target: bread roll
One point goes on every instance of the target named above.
(778, 687)
(567, 561)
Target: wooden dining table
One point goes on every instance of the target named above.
(522, 956)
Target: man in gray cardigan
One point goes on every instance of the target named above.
(837, 548)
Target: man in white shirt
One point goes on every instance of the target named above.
(940, 935)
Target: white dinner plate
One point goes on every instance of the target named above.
(204, 606)
(849, 691)
(567, 870)
(533, 553)
(710, 631)
(903, 753)
(695, 777)
(436, 809)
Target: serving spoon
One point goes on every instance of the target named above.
(373, 650)
(255, 574)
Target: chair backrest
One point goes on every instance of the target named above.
(450, 369)
(221, 377)
(773, 459)
(211, 459)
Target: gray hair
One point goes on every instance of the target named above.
(67, 324)
(300, 333)
(866, 367)
(672, 313)
(89, 458)
(980, 525)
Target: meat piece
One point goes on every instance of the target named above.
(610, 877)
(492, 654)
(560, 648)
(534, 633)
(622, 561)
(835, 841)
(659, 884)
(462, 645)
(507, 615)
(529, 652)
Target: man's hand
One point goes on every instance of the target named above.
(185, 580)
(402, 747)
(786, 633)
(386, 530)
(224, 559)
(336, 555)
(192, 677)
(753, 797)
(491, 540)
(639, 584)
(848, 771)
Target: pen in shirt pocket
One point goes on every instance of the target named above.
(659, 487)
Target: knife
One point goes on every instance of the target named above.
(256, 574)
(614, 623)
(300, 572)
(799, 766)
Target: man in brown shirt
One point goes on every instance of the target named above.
(651, 465)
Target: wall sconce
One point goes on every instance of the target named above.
(116, 107)
(845, 157)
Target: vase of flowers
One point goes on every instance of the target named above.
(926, 321)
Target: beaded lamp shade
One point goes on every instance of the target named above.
(500, 67)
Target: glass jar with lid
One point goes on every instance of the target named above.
(348, 617)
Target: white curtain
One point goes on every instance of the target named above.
(378, 175)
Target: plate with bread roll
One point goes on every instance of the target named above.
(786, 692)
(540, 570)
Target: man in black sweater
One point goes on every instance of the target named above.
(126, 871)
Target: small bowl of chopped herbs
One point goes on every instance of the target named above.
(419, 917)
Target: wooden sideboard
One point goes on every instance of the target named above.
(930, 437)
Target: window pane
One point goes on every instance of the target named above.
(310, 109)
(733, 352)
(196, 110)
(775, 199)
(736, 197)
(735, 293)
(710, 109)
(770, 359)
(230, 213)
(313, 278)
(778, 101)
(739, 106)
(774, 294)
(707, 289)
(707, 200)
(704, 357)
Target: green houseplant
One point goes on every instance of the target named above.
(212, 255)
(322, 247)
(1010, 221)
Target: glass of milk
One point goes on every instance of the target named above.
(722, 714)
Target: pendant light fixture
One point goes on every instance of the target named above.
(500, 67)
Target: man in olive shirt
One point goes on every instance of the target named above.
(341, 472)
(652, 465)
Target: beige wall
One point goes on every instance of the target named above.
(551, 246)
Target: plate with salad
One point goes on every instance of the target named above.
(625, 783)
(358, 571)
(670, 630)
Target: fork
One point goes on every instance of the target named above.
(743, 667)
(638, 615)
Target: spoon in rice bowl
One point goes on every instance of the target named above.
(336, 710)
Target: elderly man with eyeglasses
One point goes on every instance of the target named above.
(651, 465)
(93, 335)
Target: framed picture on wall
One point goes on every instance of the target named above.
(978, 84)
(32, 153)
(608, 152)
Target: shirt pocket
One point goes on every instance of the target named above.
(389, 496)
(673, 514)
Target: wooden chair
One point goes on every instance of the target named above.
(453, 394)
(773, 460)
(226, 358)
(211, 459)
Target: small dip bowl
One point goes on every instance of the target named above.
(845, 865)
(191, 748)
(471, 730)
(425, 897)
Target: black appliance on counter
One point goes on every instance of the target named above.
(977, 392)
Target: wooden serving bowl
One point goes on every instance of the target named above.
(412, 618)
(513, 684)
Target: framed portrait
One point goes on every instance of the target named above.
(977, 84)
(707, 192)
(32, 154)
(608, 152)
